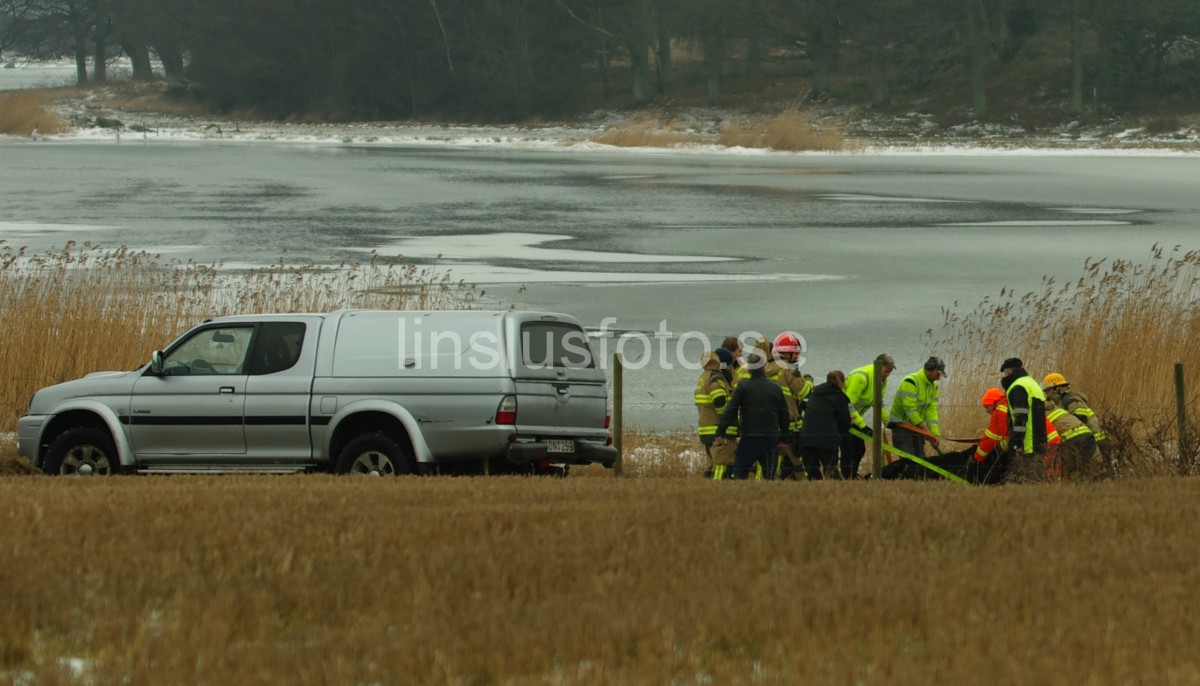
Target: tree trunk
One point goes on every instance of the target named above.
(80, 40)
(662, 49)
(1076, 60)
(754, 57)
(100, 61)
(973, 62)
(139, 57)
(880, 92)
(605, 77)
(639, 63)
(713, 48)
(172, 61)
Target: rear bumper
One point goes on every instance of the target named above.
(585, 453)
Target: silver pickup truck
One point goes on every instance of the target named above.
(353, 391)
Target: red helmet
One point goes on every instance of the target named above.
(787, 342)
(991, 396)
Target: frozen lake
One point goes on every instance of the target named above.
(859, 253)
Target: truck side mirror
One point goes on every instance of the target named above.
(156, 363)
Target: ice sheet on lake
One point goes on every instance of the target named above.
(850, 197)
(36, 228)
(519, 246)
(1044, 222)
(487, 274)
(1093, 210)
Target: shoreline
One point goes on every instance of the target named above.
(113, 114)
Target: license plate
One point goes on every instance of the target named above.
(560, 446)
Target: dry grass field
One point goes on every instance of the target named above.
(339, 580)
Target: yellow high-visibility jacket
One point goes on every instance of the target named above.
(916, 401)
(860, 389)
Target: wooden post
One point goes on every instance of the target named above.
(877, 423)
(618, 415)
(1185, 455)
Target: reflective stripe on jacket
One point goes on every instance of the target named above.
(1078, 405)
(791, 382)
(712, 394)
(1027, 413)
(916, 402)
(1068, 425)
(995, 436)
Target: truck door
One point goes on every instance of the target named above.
(194, 408)
(560, 386)
(278, 389)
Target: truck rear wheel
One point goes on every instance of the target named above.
(375, 454)
(82, 451)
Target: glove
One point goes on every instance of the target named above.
(867, 430)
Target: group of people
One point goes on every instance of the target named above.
(760, 417)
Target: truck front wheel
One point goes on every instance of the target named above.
(82, 451)
(374, 454)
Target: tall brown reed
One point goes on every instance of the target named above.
(23, 112)
(85, 308)
(646, 131)
(791, 130)
(1114, 332)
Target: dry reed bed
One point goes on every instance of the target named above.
(22, 113)
(267, 580)
(791, 130)
(1115, 331)
(85, 308)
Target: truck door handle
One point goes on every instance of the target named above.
(227, 389)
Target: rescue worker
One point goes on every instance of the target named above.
(713, 389)
(758, 405)
(1078, 450)
(1027, 410)
(787, 347)
(860, 389)
(827, 419)
(775, 370)
(734, 346)
(993, 455)
(1057, 388)
(916, 403)
(987, 463)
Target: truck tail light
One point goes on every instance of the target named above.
(506, 413)
(608, 421)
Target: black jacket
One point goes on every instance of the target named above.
(764, 411)
(827, 417)
(1020, 405)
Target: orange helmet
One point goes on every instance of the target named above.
(991, 396)
(788, 342)
(1053, 379)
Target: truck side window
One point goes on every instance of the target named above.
(211, 351)
(277, 347)
(550, 344)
